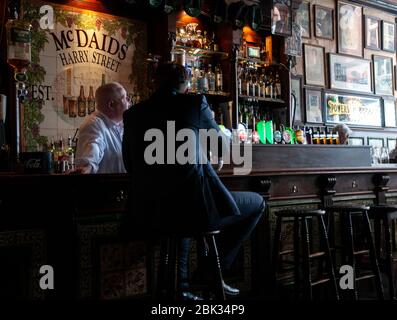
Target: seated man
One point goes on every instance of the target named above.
(99, 147)
(343, 132)
(169, 195)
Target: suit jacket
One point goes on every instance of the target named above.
(178, 197)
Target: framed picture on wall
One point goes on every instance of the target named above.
(281, 17)
(296, 91)
(313, 106)
(375, 142)
(293, 44)
(383, 75)
(303, 19)
(391, 143)
(323, 22)
(372, 33)
(356, 141)
(389, 110)
(314, 65)
(349, 21)
(388, 36)
(349, 73)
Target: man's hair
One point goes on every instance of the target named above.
(342, 128)
(171, 75)
(107, 92)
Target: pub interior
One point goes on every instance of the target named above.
(278, 75)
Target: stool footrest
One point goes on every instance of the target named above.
(320, 281)
(317, 254)
(357, 253)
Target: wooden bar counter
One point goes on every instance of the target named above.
(71, 222)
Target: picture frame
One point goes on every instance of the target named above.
(349, 73)
(389, 111)
(314, 65)
(253, 52)
(375, 142)
(356, 141)
(353, 109)
(383, 75)
(296, 90)
(303, 19)
(388, 36)
(391, 144)
(323, 22)
(293, 44)
(349, 22)
(313, 105)
(372, 33)
(281, 15)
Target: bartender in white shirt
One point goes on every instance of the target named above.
(99, 147)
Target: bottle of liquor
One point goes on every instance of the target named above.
(81, 103)
(323, 137)
(206, 41)
(269, 87)
(103, 79)
(300, 135)
(219, 78)
(91, 101)
(18, 43)
(211, 79)
(309, 134)
(328, 136)
(316, 137)
(69, 153)
(277, 87)
(214, 44)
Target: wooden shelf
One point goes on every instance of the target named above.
(262, 99)
(197, 52)
(212, 94)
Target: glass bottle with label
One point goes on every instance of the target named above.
(277, 87)
(18, 44)
(91, 101)
(219, 78)
(81, 103)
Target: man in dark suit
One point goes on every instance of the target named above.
(169, 195)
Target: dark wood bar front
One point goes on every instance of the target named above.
(72, 223)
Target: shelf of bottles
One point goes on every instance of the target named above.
(200, 53)
(259, 81)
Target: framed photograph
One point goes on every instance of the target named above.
(353, 109)
(391, 143)
(253, 52)
(314, 65)
(282, 17)
(323, 22)
(293, 44)
(313, 106)
(349, 73)
(389, 109)
(375, 142)
(303, 19)
(356, 141)
(383, 75)
(372, 33)
(349, 21)
(388, 36)
(296, 91)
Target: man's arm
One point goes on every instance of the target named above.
(90, 148)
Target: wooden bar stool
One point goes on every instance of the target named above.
(167, 279)
(349, 252)
(301, 218)
(388, 215)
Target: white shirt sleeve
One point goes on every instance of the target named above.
(90, 145)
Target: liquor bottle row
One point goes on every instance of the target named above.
(81, 106)
(62, 157)
(189, 36)
(203, 78)
(256, 126)
(255, 82)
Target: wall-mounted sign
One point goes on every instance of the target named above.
(351, 109)
(71, 60)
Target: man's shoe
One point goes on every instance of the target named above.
(188, 296)
(230, 290)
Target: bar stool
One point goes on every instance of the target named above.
(304, 260)
(349, 252)
(167, 279)
(388, 215)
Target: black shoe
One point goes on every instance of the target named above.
(188, 296)
(230, 290)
